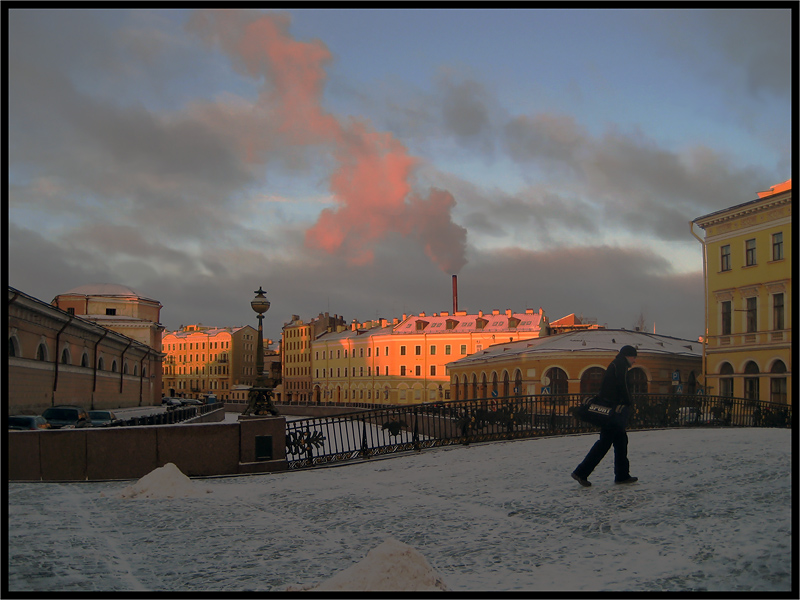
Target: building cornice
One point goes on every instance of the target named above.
(747, 209)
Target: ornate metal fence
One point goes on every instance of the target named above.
(369, 433)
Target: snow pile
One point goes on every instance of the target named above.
(164, 482)
(392, 565)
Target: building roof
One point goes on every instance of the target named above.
(445, 323)
(106, 290)
(464, 323)
(588, 340)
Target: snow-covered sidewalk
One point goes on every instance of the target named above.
(712, 511)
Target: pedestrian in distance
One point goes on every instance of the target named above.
(614, 388)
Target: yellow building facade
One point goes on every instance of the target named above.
(748, 278)
(404, 361)
(201, 361)
(575, 362)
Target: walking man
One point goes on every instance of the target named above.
(615, 388)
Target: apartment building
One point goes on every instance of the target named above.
(200, 361)
(748, 278)
(404, 361)
(296, 339)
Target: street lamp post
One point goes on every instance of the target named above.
(259, 400)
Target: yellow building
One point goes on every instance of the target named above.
(574, 363)
(403, 361)
(297, 336)
(748, 277)
(201, 361)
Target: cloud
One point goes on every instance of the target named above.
(373, 171)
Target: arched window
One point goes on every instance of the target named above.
(144, 371)
(454, 388)
(483, 386)
(41, 352)
(65, 356)
(136, 370)
(506, 385)
(101, 364)
(125, 367)
(558, 381)
(637, 381)
(474, 386)
(751, 384)
(13, 346)
(518, 383)
(495, 391)
(84, 360)
(777, 391)
(114, 366)
(591, 380)
(726, 380)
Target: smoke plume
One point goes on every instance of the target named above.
(373, 175)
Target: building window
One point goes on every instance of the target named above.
(418, 370)
(111, 311)
(402, 350)
(558, 381)
(777, 246)
(70, 311)
(591, 380)
(418, 350)
(637, 381)
(41, 352)
(447, 349)
(433, 350)
(750, 252)
(752, 315)
(433, 370)
(463, 348)
(65, 357)
(726, 317)
(403, 371)
(777, 311)
(777, 392)
(85, 360)
(725, 258)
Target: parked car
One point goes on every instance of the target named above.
(104, 418)
(171, 402)
(67, 417)
(190, 402)
(27, 423)
(692, 415)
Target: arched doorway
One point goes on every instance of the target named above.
(751, 381)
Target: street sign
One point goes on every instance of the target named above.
(545, 389)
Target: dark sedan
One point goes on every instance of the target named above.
(104, 418)
(27, 423)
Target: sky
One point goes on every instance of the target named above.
(352, 161)
(712, 512)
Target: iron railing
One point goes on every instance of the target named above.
(321, 440)
(169, 417)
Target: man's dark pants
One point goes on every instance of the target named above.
(609, 436)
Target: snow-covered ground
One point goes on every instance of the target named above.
(712, 511)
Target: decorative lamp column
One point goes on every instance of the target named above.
(259, 401)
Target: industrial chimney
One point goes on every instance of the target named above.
(455, 294)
